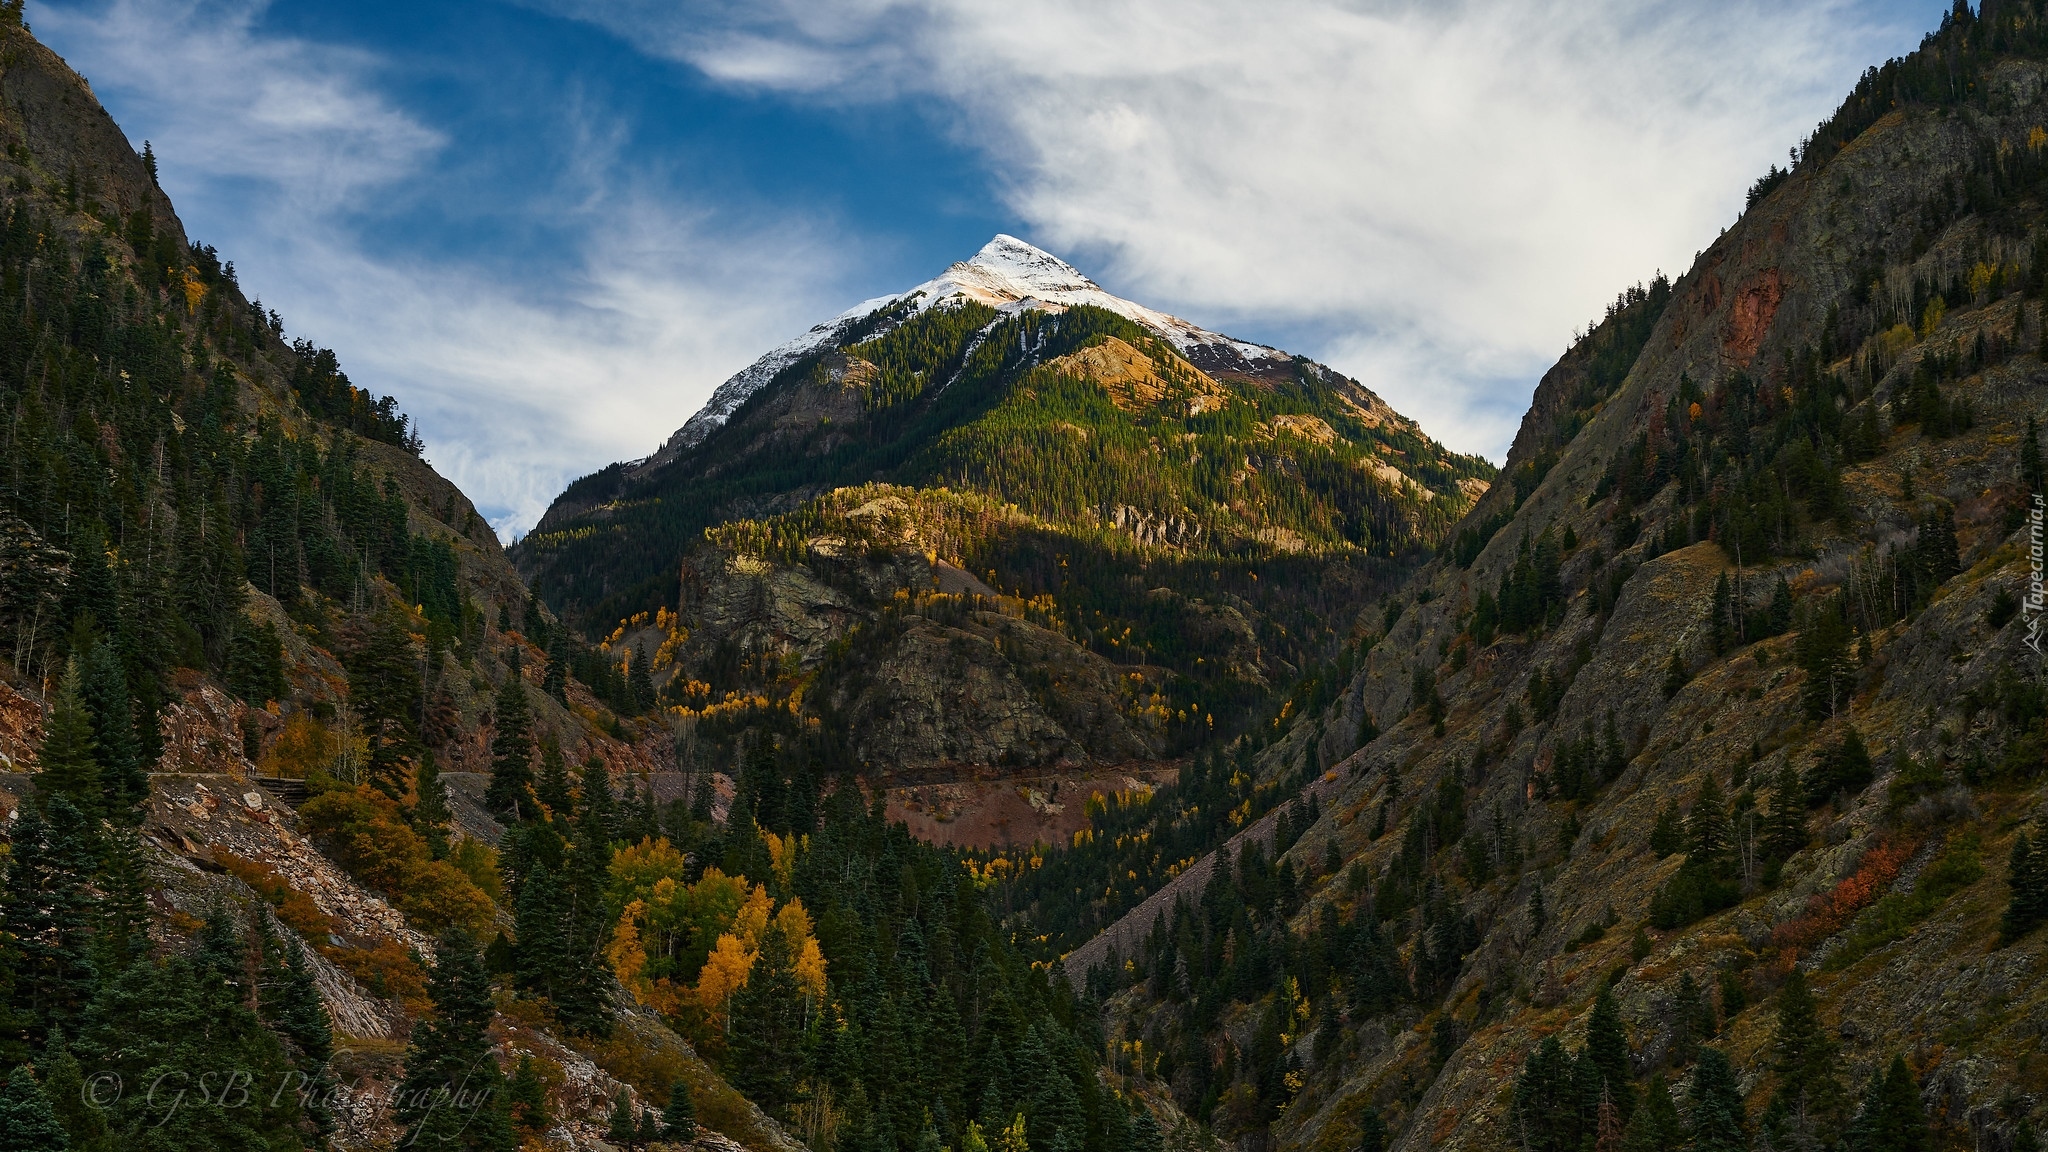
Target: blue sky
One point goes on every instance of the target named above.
(551, 228)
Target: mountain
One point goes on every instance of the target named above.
(307, 795)
(1012, 536)
(1691, 797)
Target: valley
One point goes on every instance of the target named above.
(1010, 718)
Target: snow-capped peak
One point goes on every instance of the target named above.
(1007, 274)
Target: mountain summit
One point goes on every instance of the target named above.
(1008, 275)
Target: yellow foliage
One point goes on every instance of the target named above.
(724, 974)
(2036, 138)
(1937, 309)
(1979, 281)
(194, 290)
(1012, 1139)
(303, 746)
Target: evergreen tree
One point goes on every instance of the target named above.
(679, 1119)
(1718, 1118)
(1841, 767)
(1804, 1058)
(48, 917)
(527, 1097)
(83, 1121)
(510, 793)
(2027, 877)
(453, 1094)
(1676, 675)
(582, 991)
(1784, 829)
(621, 1129)
(122, 910)
(1607, 1050)
(69, 757)
(123, 777)
(1706, 825)
(1667, 836)
(27, 1122)
(430, 814)
(1372, 1131)
(649, 1129)
(384, 689)
(766, 1026)
(1725, 617)
(290, 1005)
(1892, 1119)
(1822, 652)
(1692, 1019)
(555, 682)
(540, 955)
(1655, 1127)
(553, 787)
(597, 810)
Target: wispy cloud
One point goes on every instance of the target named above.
(1430, 195)
(290, 154)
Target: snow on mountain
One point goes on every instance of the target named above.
(1007, 274)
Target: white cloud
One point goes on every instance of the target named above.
(1440, 193)
(285, 151)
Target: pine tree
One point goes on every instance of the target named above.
(1607, 1049)
(1784, 827)
(555, 682)
(384, 689)
(1372, 1131)
(679, 1119)
(1667, 836)
(597, 807)
(69, 759)
(1804, 1057)
(510, 794)
(649, 1129)
(122, 910)
(2027, 877)
(1725, 618)
(290, 1004)
(766, 1026)
(48, 916)
(1718, 1117)
(123, 777)
(621, 1130)
(553, 787)
(581, 992)
(27, 1122)
(1692, 1019)
(452, 1095)
(1676, 676)
(1892, 1119)
(527, 1097)
(540, 955)
(1655, 1127)
(64, 1085)
(430, 814)
(1706, 825)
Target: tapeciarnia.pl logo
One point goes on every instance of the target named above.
(2037, 599)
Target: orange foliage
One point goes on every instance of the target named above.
(388, 970)
(294, 907)
(363, 830)
(1831, 911)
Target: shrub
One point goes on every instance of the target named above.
(363, 830)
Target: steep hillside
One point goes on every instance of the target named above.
(1698, 781)
(227, 579)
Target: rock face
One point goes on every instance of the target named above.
(1866, 265)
